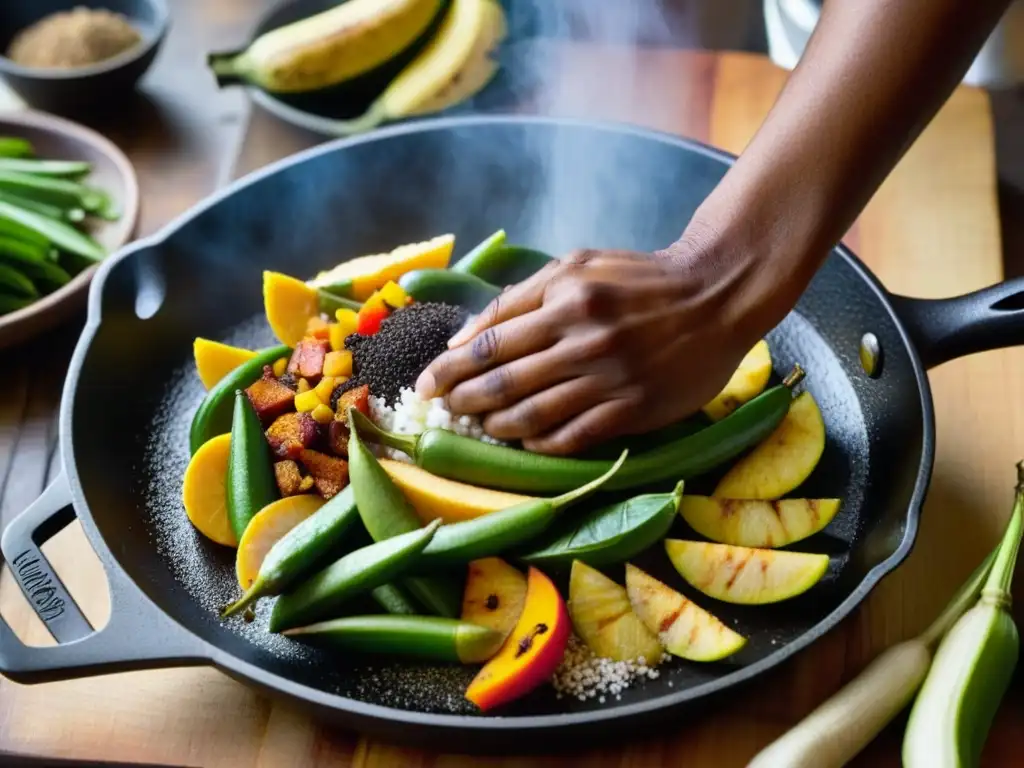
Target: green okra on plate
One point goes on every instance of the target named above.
(250, 483)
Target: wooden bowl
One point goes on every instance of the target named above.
(56, 138)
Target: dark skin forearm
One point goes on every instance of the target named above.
(604, 343)
(873, 75)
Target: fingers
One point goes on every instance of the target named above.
(543, 412)
(507, 384)
(601, 422)
(511, 340)
(517, 300)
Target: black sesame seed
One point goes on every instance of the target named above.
(408, 340)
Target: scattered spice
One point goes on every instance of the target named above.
(583, 675)
(77, 38)
(407, 342)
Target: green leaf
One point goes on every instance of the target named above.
(609, 534)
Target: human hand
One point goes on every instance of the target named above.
(599, 345)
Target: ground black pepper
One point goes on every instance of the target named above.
(408, 340)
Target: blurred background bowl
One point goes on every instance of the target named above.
(65, 90)
(58, 139)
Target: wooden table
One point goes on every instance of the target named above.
(932, 230)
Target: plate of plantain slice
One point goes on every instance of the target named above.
(345, 69)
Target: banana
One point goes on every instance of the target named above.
(454, 65)
(479, 68)
(329, 47)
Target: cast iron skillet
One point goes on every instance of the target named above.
(131, 391)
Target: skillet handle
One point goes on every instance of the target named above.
(137, 636)
(945, 329)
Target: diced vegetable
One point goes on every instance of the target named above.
(347, 320)
(306, 401)
(372, 314)
(338, 363)
(270, 398)
(325, 388)
(393, 295)
(322, 414)
(214, 360)
(308, 359)
(288, 477)
(330, 475)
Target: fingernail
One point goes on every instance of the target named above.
(425, 386)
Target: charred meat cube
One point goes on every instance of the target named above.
(337, 438)
(289, 479)
(291, 433)
(330, 475)
(358, 398)
(270, 398)
(308, 359)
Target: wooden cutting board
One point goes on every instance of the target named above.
(932, 230)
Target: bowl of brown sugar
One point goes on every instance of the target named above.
(60, 55)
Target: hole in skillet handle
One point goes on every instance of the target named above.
(151, 289)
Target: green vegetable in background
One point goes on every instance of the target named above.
(478, 253)
(13, 303)
(357, 572)
(972, 669)
(386, 513)
(62, 192)
(608, 535)
(302, 550)
(11, 146)
(72, 215)
(425, 637)
(60, 234)
(69, 168)
(444, 453)
(13, 281)
(213, 417)
(393, 599)
(18, 231)
(250, 485)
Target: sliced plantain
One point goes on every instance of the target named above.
(745, 575)
(757, 522)
(783, 460)
(328, 48)
(746, 383)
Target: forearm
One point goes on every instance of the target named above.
(873, 75)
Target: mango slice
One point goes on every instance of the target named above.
(605, 621)
(746, 383)
(204, 491)
(757, 522)
(267, 527)
(214, 360)
(494, 596)
(745, 575)
(685, 629)
(360, 277)
(531, 653)
(288, 303)
(436, 497)
(783, 460)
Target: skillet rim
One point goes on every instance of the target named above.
(673, 700)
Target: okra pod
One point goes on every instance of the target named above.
(60, 234)
(69, 168)
(54, 190)
(14, 146)
(15, 282)
(354, 574)
(424, 637)
(302, 550)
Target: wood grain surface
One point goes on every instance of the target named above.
(932, 230)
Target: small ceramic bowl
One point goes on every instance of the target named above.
(58, 139)
(62, 90)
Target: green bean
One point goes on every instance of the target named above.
(497, 532)
(33, 260)
(444, 453)
(386, 513)
(394, 600)
(300, 551)
(357, 572)
(10, 303)
(56, 191)
(18, 231)
(13, 280)
(12, 146)
(424, 637)
(57, 232)
(73, 215)
(71, 168)
(330, 303)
